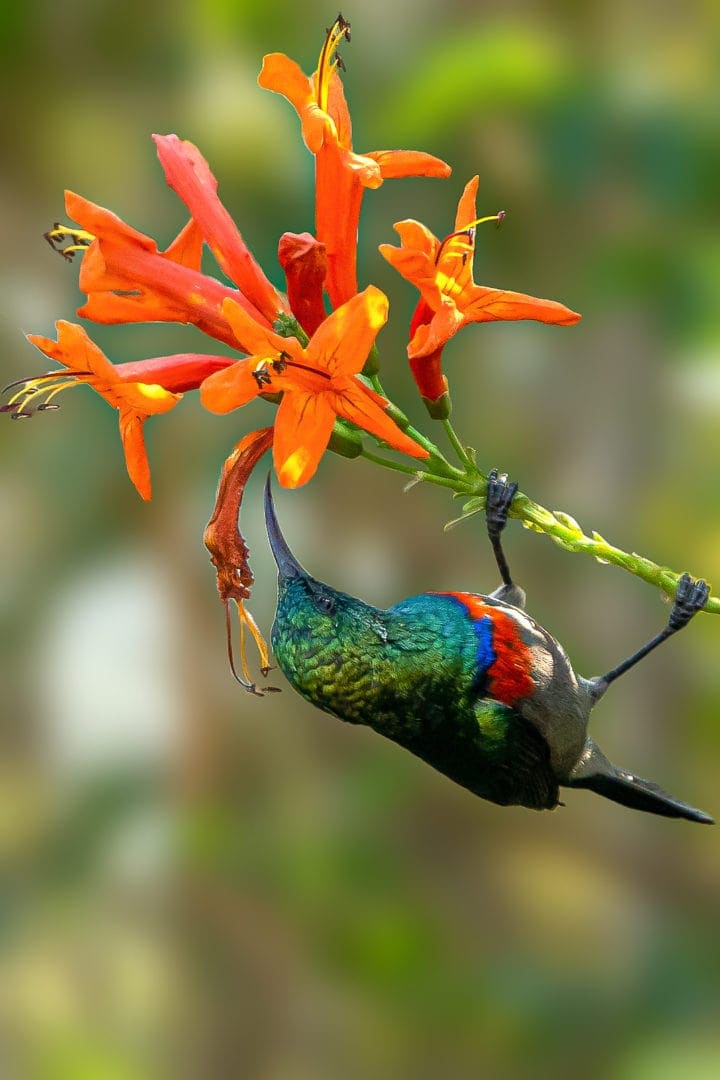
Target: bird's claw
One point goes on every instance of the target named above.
(500, 494)
(690, 597)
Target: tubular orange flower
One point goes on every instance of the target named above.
(137, 390)
(341, 175)
(188, 174)
(450, 299)
(127, 279)
(318, 384)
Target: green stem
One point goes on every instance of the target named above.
(471, 483)
(559, 526)
(410, 470)
(460, 450)
(437, 457)
(566, 532)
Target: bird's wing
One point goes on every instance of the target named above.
(519, 757)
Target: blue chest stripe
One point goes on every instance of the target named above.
(485, 655)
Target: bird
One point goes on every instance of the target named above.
(467, 682)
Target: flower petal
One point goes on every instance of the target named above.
(338, 111)
(136, 459)
(396, 164)
(355, 404)
(75, 350)
(342, 342)
(490, 305)
(361, 167)
(432, 336)
(188, 174)
(283, 76)
(415, 259)
(147, 399)
(255, 338)
(467, 206)
(97, 220)
(186, 248)
(303, 426)
(232, 387)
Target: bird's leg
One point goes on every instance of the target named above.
(500, 494)
(690, 597)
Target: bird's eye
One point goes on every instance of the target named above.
(325, 603)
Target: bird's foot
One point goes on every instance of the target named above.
(690, 597)
(500, 494)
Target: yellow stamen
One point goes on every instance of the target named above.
(59, 234)
(243, 656)
(326, 64)
(469, 230)
(260, 643)
(499, 217)
(247, 620)
(43, 385)
(459, 247)
(60, 386)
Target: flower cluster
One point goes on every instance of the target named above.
(311, 350)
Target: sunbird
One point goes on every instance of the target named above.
(469, 683)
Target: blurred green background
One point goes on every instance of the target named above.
(199, 883)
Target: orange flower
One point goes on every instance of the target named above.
(450, 299)
(188, 174)
(318, 384)
(127, 279)
(137, 390)
(341, 175)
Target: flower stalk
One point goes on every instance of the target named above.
(470, 483)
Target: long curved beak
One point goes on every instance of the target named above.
(287, 564)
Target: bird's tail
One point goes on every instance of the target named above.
(595, 772)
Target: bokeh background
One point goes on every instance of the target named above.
(198, 883)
